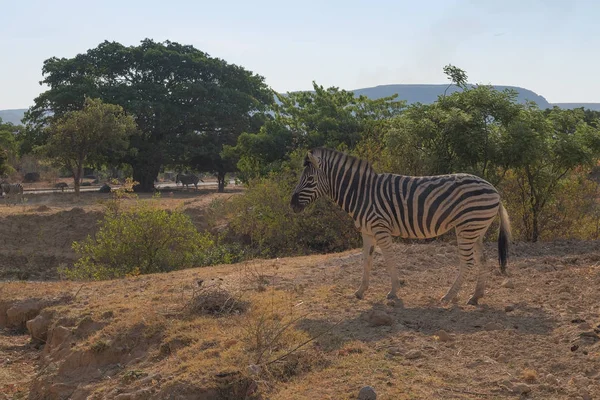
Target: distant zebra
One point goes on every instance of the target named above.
(386, 205)
(12, 189)
(62, 186)
(187, 180)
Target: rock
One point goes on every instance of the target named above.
(413, 355)
(493, 326)
(105, 189)
(367, 393)
(585, 326)
(380, 318)
(551, 380)
(509, 308)
(443, 336)
(521, 388)
(254, 369)
(585, 395)
(508, 283)
(38, 327)
(395, 351)
(20, 313)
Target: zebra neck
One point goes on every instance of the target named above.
(350, 188)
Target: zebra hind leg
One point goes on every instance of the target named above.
(385, 243)
(481, 273)
(368, 250)
(466, 253)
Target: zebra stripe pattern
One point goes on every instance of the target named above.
(10, 190)
(188, 180)
(412, 207)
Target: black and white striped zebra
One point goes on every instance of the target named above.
(188, 180)
(387, 205)
(10, 190)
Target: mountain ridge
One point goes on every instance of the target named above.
(412, 93)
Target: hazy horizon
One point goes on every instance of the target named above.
(544, 46)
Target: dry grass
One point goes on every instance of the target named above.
(309, 300)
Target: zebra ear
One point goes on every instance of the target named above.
(314, 160)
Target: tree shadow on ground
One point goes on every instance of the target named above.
(427, 321)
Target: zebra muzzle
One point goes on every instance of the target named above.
(295, 203)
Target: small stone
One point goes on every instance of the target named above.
(367, 393)
(551, 380)
(413, 355)
(380, 318)
(493, 326)
(521, 388)
(585, 395)
(443, 336)
(502, 358)
(395, 351)
(509, 308)
(254, 369)
(508, 283)
(585, 326)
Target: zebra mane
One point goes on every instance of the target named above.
(366, 165)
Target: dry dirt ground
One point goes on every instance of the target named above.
(36, 237)
(292, 329)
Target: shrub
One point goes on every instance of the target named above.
(264, 218)
(138, 241)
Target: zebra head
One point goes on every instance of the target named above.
(313, 183)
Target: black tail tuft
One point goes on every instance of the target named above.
(503, 239)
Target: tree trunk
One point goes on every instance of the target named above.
(535, 233)
(145, 175)
(77, 181)
(221, 181)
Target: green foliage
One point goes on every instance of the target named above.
(324, 117)
(145, 239)
(187, 104)
(262, 216)
(92, 136)
(544, 148)
(9, 134)
(138, 241)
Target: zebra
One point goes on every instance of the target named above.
(10, 189)
(188, 179)
(412, 207)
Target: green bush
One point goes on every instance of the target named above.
(142, 240)
(262, 216)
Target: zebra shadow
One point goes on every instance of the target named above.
(428, 321)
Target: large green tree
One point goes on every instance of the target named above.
(544, 147)
(96, 134)
(323, 117)
(176, 92)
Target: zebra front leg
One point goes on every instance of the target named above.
(385, 243)
(481, 273)
(368, 250)
(467, 259)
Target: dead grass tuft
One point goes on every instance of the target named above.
(529, 375)
(216, 301)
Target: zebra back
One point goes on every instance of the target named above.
(187, 179)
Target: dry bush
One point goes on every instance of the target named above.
(215, 300)
(529, 375)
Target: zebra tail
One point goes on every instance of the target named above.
(504, 236)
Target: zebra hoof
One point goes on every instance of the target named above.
(392, 296)
(473, 301)
(447, 300)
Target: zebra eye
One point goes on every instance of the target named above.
(310, 179)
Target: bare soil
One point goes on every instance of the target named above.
(36, 237)
(137, 338)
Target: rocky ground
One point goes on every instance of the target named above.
(292, 329)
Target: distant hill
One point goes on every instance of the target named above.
(591, 106)
(13, 116)
(425, 94)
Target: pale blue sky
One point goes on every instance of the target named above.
(548, 46)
